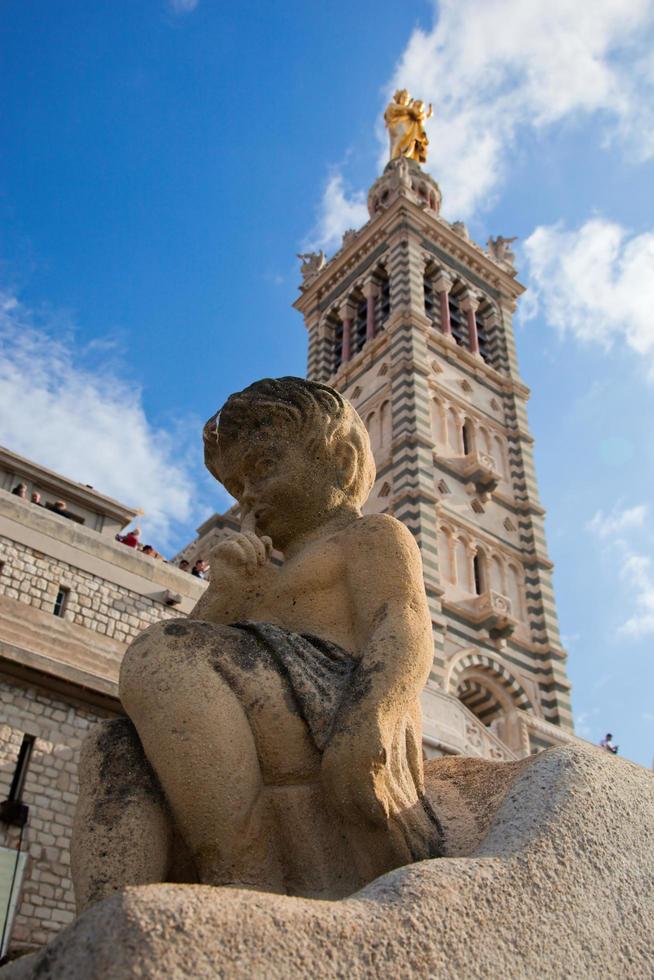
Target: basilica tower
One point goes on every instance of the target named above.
(411, 320)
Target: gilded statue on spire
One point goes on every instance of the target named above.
(405, 120)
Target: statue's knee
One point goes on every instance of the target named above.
(105, 742)
(142, 658)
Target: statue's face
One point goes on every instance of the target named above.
(402, 96)
(281, 484)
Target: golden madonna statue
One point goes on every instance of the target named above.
(405, 120)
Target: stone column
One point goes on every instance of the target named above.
(442, 285)
(470, 304)
(347, 318)
(370, 291)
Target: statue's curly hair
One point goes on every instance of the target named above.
(307, 412)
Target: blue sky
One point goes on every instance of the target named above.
(163, 162)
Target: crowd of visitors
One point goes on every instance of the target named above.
(58, 507)
(131, 539)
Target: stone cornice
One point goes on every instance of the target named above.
(377, 231)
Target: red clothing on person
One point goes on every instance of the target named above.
(130, 539)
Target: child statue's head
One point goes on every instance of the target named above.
(282, 439)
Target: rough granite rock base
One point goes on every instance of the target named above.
(549, 873)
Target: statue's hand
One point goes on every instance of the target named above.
(354, 775)
(244, 552)
(373, 773)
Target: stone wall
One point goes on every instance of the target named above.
(95, 603)
(58, 676)
(46, 903)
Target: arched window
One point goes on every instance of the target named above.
(483, 334)
(458, 320)
(515, 581)
(371, 426)
(462, 565)
(499, 456)
(467, 436)
(432, 305)
(453, 431)
(445, 556)
(337, 327)
(480, 571)
(430, 297)
(360, 321)
(438, 421)
(485, 440)
(497, 574)
(385, 424)
(383, 300)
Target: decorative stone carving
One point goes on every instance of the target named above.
(498, 249)
(493, 612)
(312, 265)
(348, 236)
(459, 228)
(479, 470)
(274, 736)
(404, 178)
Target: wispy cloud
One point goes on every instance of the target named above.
(610, 525)
(548, 61)
(340, 209)
(65, 406)
(182, 6)
(595, 282)
(638, 574)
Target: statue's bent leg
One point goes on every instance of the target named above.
(122, 833)
(196, 733)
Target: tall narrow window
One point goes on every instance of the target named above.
(61, 601)
(360, 324)
(338, 344)
(479, 571)
(384, 301)
(483, 337)
(430, 298)
(467, 437)
(458, 321)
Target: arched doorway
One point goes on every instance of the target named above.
(492, 694)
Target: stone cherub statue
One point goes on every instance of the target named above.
(499, 249)
(312, 263)
(405, 120)
(274, 737)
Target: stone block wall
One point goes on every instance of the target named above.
(46, 903)
(100, 619)
(95, 603)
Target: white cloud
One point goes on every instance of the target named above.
(595, 282)
(492, 68)
(66, 409)
(338, 212)
(182, 6)
(609, 525)
(638, 574)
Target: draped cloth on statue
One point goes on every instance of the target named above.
(318, 672)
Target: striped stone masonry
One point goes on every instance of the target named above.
(456, 462)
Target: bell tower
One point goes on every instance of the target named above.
(411, 320)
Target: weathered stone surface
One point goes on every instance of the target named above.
(280, 724)
(549, 872)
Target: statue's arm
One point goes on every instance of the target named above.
(392, 620)
(236, 567)
(393, 625)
